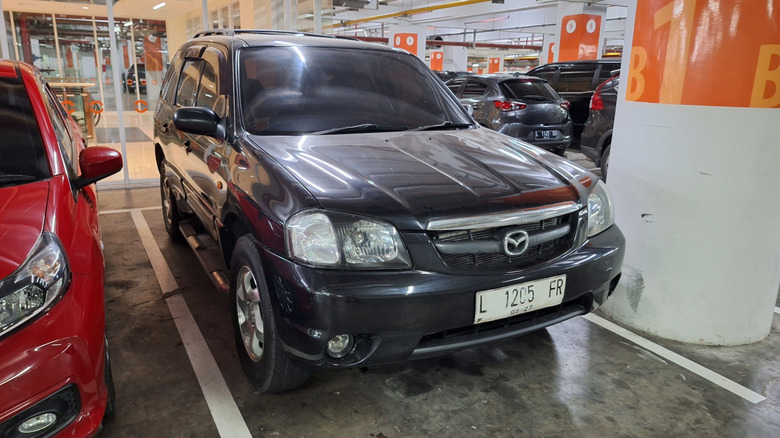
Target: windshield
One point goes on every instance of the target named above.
(300, 90)
(528, 89)
(22, 158)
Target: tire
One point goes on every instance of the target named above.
(265, 363)
(109, 380)
(170, 209)
(605, 162)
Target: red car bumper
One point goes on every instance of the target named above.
(55, 364)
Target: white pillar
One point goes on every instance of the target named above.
(579, 29)
(3, 36)
(455, 58)
(695, 179)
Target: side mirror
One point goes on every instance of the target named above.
(469, 108)
(199, 121)
(96, 163)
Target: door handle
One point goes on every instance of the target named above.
(187, 146)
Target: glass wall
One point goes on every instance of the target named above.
(73, 53)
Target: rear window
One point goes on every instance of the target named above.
(524, 88)
(22, 157)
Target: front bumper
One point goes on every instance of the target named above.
(396, 316)
(57, 360)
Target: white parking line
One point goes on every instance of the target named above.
(688, 364)
(128, 210)
(220, 401)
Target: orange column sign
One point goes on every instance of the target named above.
(551, 53)
(494, 65)
(406, 41)
(579, 37)
(437, 61)
(714, 53)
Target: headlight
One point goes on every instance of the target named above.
(601, 212)
(34, 288)
(341, 240)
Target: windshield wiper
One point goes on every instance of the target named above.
(446, 125)
(8, 179)
(363, 127)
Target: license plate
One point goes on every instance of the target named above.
(512, 300)
(546, 135)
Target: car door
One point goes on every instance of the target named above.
(473, 94)
(204, 156)
(576, 82)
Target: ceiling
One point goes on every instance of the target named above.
(511, 22)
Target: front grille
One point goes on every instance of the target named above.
(491, 255)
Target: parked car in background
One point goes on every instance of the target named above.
(523, 107)
(55, 374)
(596, 141)
(447, 75)
(575, 82)
(129, 81)
(362, 217)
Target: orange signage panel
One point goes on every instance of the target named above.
(406, 41)
(551, 53)
(437, 61)
(494, 65)
(714, 53)
(579, 37)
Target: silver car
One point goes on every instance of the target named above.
(523, 107)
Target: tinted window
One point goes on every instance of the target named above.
(524, 88)
(455, 84)
(209, 91)
(606, 71)
(171, 80)
(575, 79)
(21, 151)
(474, 89)
(188, 83)
(546, 73)
(295, 90)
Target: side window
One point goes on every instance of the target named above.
(548, 74)
(64, 139)
(210, 93)
(474, 89)
(576, 79)
(454, 85)
(188, 83)
(171, 80)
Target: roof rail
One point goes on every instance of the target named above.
(234, 32)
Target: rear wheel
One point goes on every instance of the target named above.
(170, 210)
(263, 359)
(605, 162)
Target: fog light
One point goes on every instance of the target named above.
(340, 345)
(38, 423)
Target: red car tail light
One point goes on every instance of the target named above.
(566, 105)
(506, 105)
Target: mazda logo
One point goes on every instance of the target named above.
(515, 243)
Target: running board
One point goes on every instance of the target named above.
(208, 254)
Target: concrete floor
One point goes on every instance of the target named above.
(573, 379)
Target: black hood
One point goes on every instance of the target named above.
(412, 177)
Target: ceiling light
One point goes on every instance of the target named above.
(158, 6)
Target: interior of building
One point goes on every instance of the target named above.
(688, 343)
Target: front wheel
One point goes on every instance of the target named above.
(260, 351)
(170, 210)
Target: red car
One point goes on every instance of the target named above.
(55, 377)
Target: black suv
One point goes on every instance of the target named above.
(596, 142)
(358, 213)
(575, 82)
(524, 107)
